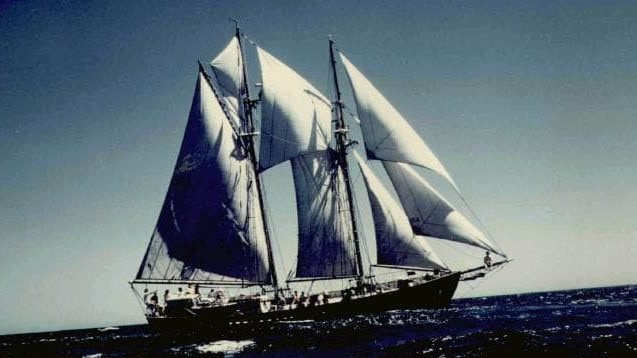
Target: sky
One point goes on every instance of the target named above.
(529, 105)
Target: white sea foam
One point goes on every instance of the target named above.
(106, 329)
(554, 329)
(96, 355)
(224, 346)
(601, 336)
(629, 322)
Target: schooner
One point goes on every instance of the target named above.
(213, 231)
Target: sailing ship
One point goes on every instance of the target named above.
(213, 231)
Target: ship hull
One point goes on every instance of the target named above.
(433, 294)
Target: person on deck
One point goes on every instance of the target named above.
(151, 305)
(487, 261)
(220, 297)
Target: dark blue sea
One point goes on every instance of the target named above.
(598, 322)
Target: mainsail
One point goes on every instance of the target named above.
(429, 213)
(396, 243)
(388, 136)
(326, 247)
(210, 227)
(295, 116)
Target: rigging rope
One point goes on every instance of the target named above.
(484, 227)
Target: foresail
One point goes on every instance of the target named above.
(295, 116)
(429, 213)
(396, 243)
(210, 226)
(326, 247)
(227, 68)
(388, 136)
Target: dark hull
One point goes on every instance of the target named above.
(436, 293)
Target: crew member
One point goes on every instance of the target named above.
(487, 261)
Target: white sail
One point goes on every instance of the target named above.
(429, 213)
(210, 226)
(396, 243)
(227, 68)
(326, 243)
(388, 136)
(295, 116)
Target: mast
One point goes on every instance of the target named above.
(248, 105)
(342, 143)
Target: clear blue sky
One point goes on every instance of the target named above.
(530, 105)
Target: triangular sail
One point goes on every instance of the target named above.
(295, 116)
(396, 243)
(388, 136)
(326, 247)
(210, 226)
(227, 68)
(429, 213)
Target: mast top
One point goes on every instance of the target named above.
(236, 23)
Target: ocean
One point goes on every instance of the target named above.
(596, 322)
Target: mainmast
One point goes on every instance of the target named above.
(342, 142)
(249, 132)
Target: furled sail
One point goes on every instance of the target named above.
(326, 246)
(429, 213)
(396, 243)
(227, 68)
(388, 136)
(210, 227)
(295, 116)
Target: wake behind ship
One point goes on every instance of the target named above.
(213, 234)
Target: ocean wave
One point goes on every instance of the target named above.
(224, 346)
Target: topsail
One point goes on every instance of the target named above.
(210, 227)
(295, 116)
(227, 68)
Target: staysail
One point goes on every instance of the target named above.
(396, 243)
(210, 227)
(388, 136)
(227, 68)
(429, 213)
(326, 247)
(295, 116)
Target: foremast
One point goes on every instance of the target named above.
(248, 106)
(342, 142)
